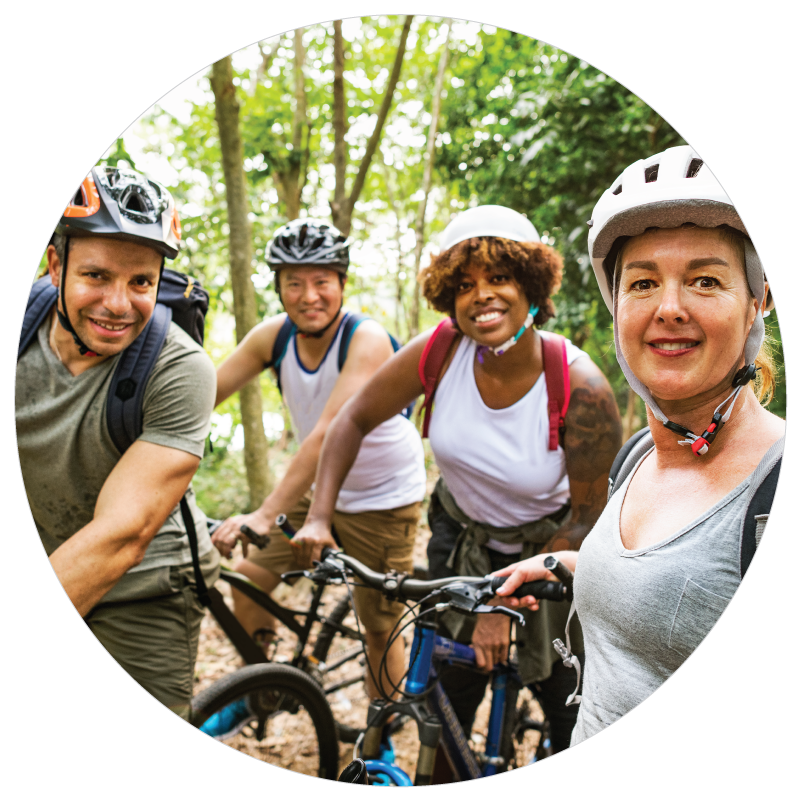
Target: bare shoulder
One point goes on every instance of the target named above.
(370, 339)
(261, 338)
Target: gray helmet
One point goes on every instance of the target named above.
(123, 204)
(309, 242)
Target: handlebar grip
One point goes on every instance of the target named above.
(326, 551)
(258, 539)
(285, 525)
(561, 571)
(542, 590)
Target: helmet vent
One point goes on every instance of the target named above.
(694, 167)
(651, 174)
(79, 199)
(617, 190)
(136, 204)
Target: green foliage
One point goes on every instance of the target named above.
(522, 125)
(540, 131)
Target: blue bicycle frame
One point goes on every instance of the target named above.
(435, 716)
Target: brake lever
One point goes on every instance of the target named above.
(509, 612)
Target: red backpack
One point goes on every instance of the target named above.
(556, 375)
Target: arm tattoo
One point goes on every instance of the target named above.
(592, 439)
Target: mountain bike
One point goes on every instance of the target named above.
(423, 698)
(314, 661)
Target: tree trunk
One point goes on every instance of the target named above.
(241, 257)
(339, 126)
(343, 205)
(290, 182)
(399, 309)
(419, 228)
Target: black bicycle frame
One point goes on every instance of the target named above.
(249, 650)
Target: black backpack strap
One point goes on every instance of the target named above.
(285, 333)
(628, 456)
(755, 518)
(41, 300)
(191, 531)
(124, 408)
(351, 321)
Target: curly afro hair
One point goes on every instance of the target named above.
(535, 266)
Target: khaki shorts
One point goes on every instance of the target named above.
(153, 633)
(382, 540)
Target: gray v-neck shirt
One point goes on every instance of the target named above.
(65, 450)
(644, 611)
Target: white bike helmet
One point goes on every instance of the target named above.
(668, 190)
(498, 221)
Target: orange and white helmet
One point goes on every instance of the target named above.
(123, 204)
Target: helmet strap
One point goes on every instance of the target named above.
(507, 345)
(700, 444)
(63, 317)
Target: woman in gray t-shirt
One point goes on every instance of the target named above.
(687, 291)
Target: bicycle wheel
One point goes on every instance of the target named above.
(273, 712)
(526, 734)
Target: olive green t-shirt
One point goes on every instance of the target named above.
(66, 452)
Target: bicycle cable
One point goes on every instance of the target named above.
(383, 666)
(375, 682)
(396, 688)
(394, 634)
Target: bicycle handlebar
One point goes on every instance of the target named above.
(413, 589)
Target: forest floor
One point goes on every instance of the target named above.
(217, 657)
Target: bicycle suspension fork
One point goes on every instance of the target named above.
(429, 727)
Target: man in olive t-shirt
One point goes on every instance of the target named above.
(111, 523)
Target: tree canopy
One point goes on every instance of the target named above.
(521, 124)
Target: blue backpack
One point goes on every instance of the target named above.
(181, 300)
(350, 322)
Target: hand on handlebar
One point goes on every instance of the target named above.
(228, 533)
(532, 569)
(309, 541)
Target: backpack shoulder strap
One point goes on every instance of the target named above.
(40, 302)
(756, 516)
(627, 457)
(125, 404)
(349, 324)
(556, 375)
(285, 333)
(431, 363)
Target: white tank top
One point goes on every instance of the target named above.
(495, 461)
(389, 471)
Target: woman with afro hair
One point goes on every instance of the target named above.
(503, 494)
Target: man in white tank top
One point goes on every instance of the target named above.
(378, 508)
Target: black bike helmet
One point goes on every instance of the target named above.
(118, 204)
(309, 242)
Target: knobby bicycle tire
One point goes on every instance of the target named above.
(293, 720)
(516, 723)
